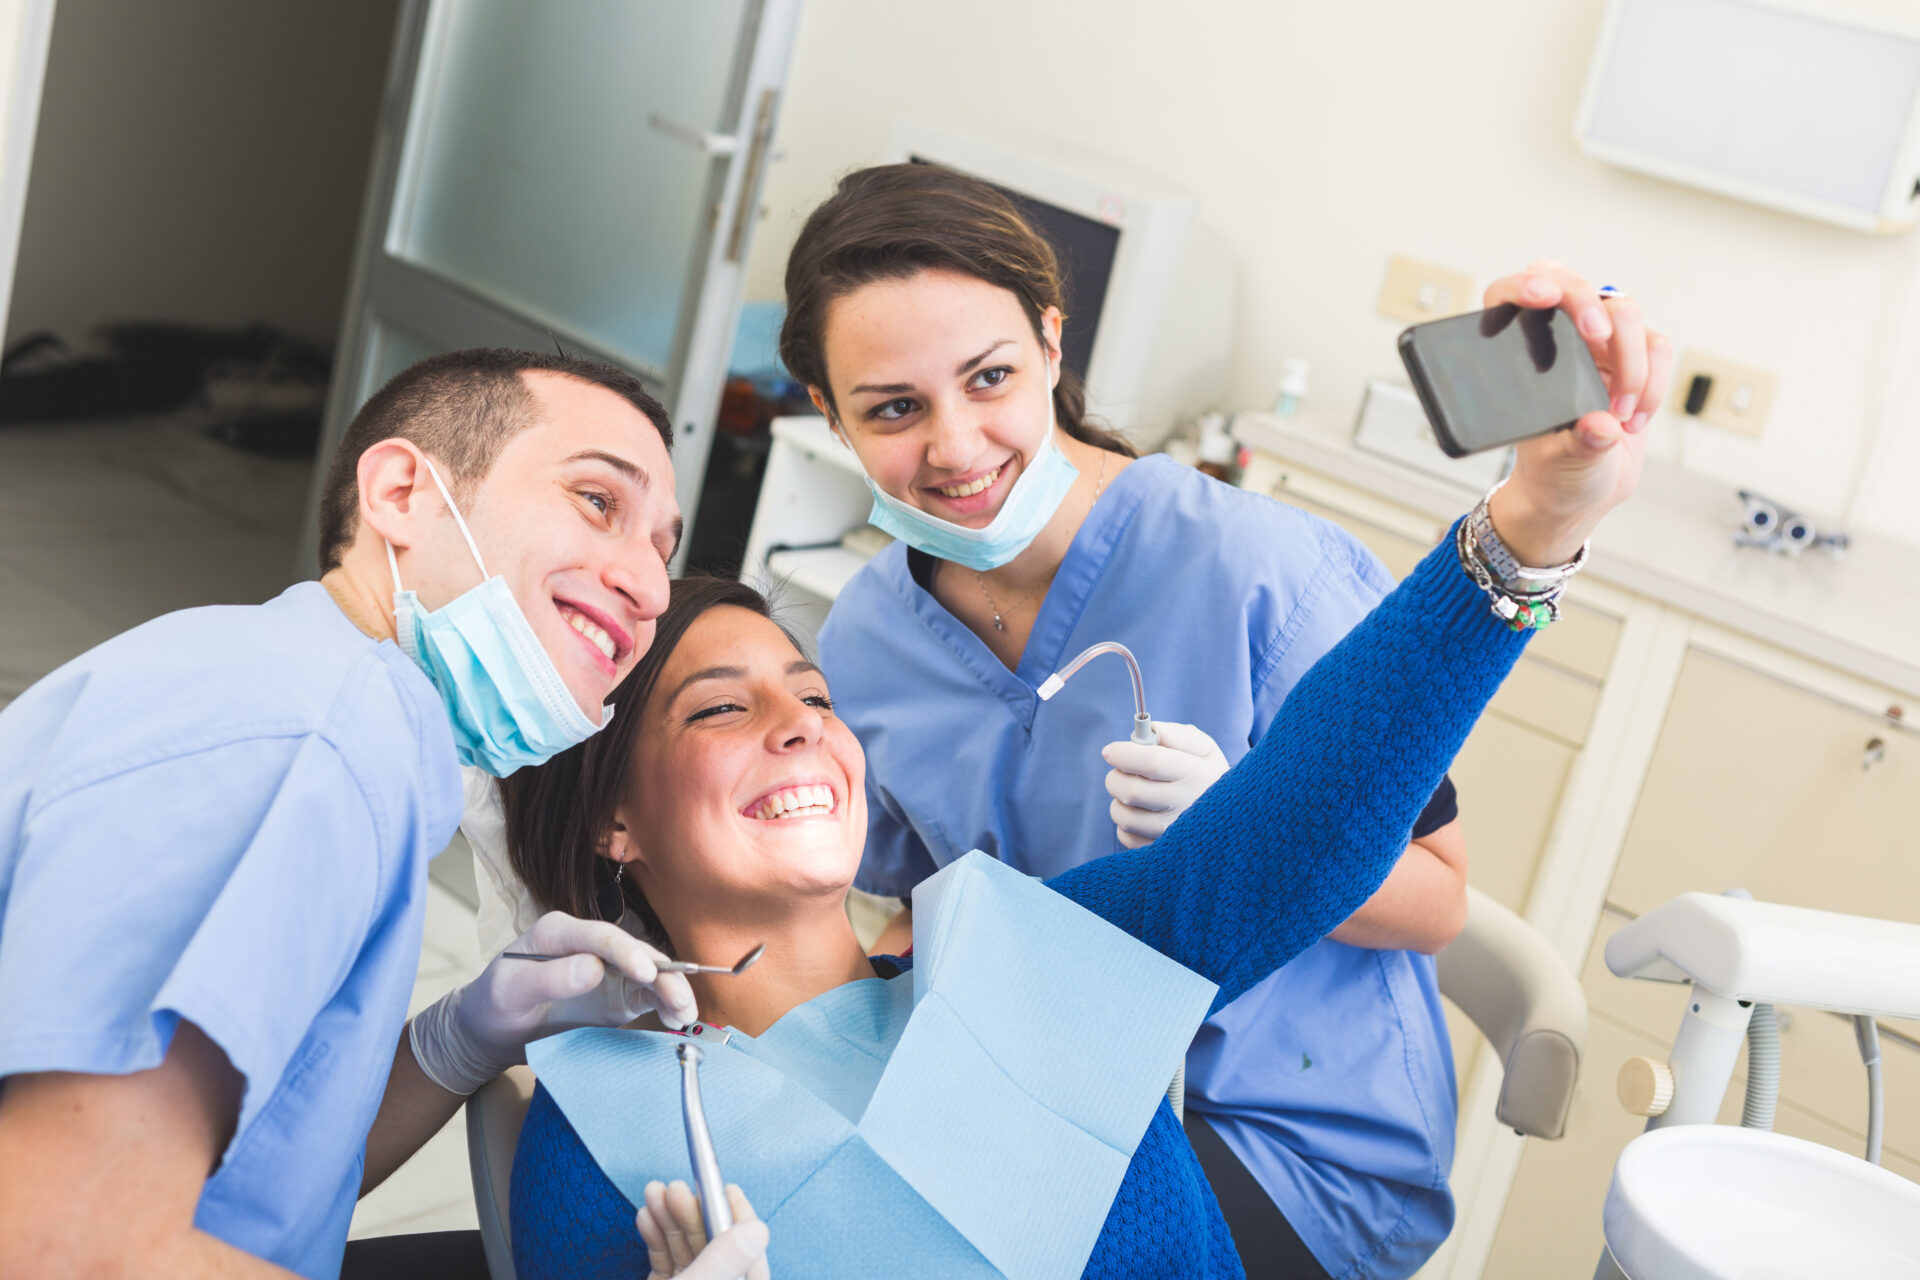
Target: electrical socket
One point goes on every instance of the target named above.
(1416, 291)
(1740, 398)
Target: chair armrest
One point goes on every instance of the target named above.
(1513, 985)
(494, 1116)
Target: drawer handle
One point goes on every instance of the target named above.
(1876, 752)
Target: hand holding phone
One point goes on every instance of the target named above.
(1564, 481)
(1494, 377)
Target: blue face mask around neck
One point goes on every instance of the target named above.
(1036, 494)
(506, 700)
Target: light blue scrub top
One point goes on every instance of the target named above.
(1332, 1081)
(225, 815)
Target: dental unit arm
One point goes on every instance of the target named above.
(1742, 957)
(1739, 954)
(1142, 725)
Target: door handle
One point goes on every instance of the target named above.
(757, 157)
(1876, 752)
(714, 145)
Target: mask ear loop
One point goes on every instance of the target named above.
(471, 545)
(393, 563)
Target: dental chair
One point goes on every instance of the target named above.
(1501, 973)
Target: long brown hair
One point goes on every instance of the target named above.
(559, 814)
(897, 220)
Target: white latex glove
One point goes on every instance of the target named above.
(608, 977)
(676, 1237)
(1151, 786)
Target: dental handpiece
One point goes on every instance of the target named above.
(1142, 726)
(706, 1166)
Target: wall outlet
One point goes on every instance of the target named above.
(1417, 291)
(1739, 398)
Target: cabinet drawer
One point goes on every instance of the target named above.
(1583, 640)
(1549, 699)
(1510, 777)
(1759, 784)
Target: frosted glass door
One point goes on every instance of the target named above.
(539, 182)
(583, 173)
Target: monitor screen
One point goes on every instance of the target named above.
(1085, 249)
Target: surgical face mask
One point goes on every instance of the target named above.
(507, 702)
(1036, 494)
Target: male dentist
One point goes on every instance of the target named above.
(214, 833)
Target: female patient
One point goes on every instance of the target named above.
(730, 803)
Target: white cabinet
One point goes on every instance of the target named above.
(812, 494)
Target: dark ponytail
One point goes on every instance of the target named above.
(897, 220)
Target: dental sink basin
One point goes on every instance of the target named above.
(1713, 1202)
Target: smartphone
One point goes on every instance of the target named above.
(1489, 378)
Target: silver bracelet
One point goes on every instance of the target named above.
(1524, 598)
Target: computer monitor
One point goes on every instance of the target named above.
(1149, 293)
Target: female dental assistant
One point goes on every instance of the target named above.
(924, 316)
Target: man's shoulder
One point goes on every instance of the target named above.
(206, 678)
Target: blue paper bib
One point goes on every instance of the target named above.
(974, 1117)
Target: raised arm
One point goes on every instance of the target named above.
(1297, 835)
(1303, 830)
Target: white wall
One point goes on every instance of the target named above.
(200, 160)
(1322, 137)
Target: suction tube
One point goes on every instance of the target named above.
(1763, 1068)
(1866, 1033)
(1142, 726)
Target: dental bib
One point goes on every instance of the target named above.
(973, 1117)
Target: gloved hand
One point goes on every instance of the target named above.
(1151, 786)
(676, 1237)
(473, 1033)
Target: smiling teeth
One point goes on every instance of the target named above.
(592, 632)
(794, 802)
(968, 490)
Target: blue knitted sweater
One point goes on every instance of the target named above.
(1276, 854)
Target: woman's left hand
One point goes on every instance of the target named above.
(676, 1236)
(1564, 482)
(1152, 786)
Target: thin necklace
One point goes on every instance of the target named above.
(999, 623)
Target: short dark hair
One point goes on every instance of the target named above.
(559, 814)
(460, 407)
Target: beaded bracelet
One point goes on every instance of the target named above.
(1516, 600)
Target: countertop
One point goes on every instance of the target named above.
(1673, 542)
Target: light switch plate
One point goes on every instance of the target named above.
(1416, 291)
(1741, 396)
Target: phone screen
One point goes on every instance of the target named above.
(1492, 377)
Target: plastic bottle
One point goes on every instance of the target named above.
(1217, 449)
(1294, 373)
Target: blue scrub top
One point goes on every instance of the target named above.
(1332, 1081)
(225, 815)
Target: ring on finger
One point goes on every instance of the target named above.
(1609, 293)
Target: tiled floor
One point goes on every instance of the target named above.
(105, 525)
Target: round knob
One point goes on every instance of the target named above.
(1646, 1086)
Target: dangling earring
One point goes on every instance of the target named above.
(619, 908)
